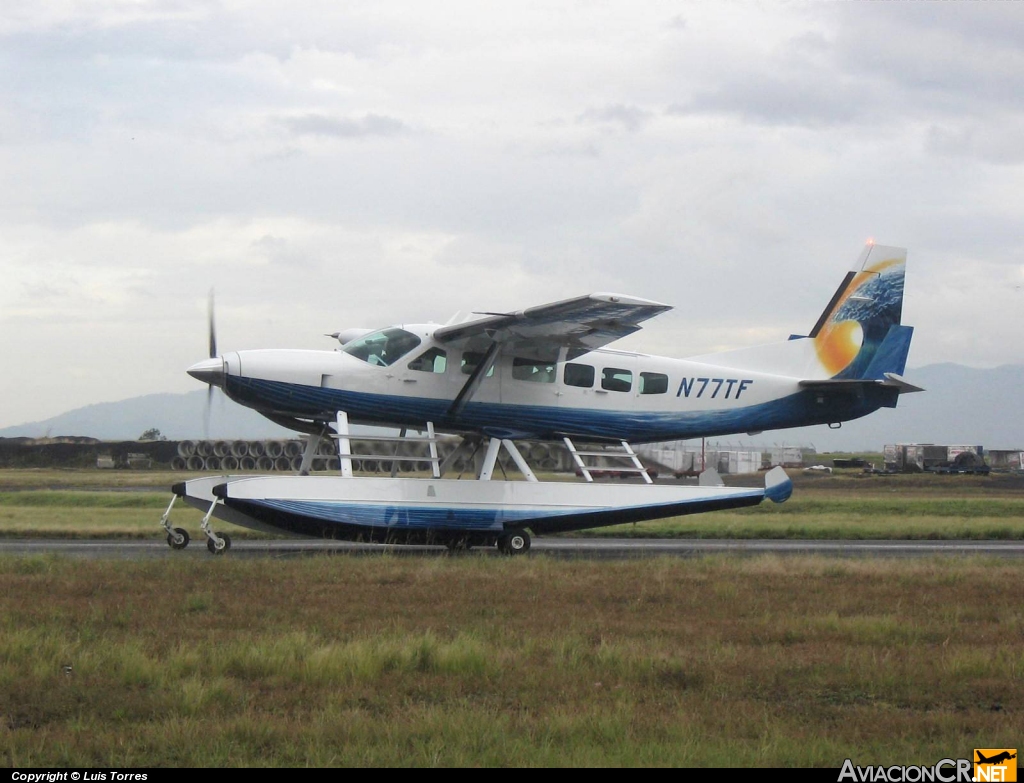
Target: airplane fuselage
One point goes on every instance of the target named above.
(603, 394)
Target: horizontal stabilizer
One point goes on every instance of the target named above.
(891, 381)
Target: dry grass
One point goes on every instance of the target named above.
(82, 478)
(470, 661)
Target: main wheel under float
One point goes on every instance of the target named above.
(515, 543)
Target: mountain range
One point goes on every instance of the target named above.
(961, 405)
(177, 416)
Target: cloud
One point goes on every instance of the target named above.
(807, 100)
(996, 142)
(280, 252)
(344, 128)
(630, 118)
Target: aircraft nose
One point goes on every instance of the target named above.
(208, 371)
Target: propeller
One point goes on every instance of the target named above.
(212, 335)
(212, 330)
(210, 371)
(213, 326)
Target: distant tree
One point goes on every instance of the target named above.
(152, 434)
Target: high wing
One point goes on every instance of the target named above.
(586, 322)
(884, 390)
(583, 323)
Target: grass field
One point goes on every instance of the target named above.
(468, 661)
(91, 503)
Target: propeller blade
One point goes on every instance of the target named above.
(213, 327)
(206, 412)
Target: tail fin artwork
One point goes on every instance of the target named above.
(859, 335)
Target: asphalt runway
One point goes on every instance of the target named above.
(568, 548)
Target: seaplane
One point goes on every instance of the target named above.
(545, 373)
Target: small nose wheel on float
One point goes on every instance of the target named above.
(218, 548)
(177, 537)
(217, 543)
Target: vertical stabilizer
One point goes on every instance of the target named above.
(858, 336)
(858, 319)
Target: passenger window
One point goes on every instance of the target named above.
(614, 379)
(581, 375)
(434, 360)
(470, 360)
(533, 370)
(653, 383)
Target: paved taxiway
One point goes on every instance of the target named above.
(588, 548)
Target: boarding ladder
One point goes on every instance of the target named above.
(626, 453)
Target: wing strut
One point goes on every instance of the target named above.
(344, 444)
(312, 444)
(472, 384)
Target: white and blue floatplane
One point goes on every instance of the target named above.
(542, 373)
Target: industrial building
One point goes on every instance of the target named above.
(919, 457)
(687, 457)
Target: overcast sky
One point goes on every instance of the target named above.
(326, 165)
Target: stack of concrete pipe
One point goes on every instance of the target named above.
(229, 456)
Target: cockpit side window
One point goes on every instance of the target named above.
(435, 360)
(383, 348)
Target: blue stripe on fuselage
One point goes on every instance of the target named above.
(536, 421)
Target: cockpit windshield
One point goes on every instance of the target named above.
(384, 347)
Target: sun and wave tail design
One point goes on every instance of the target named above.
(859, 335)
